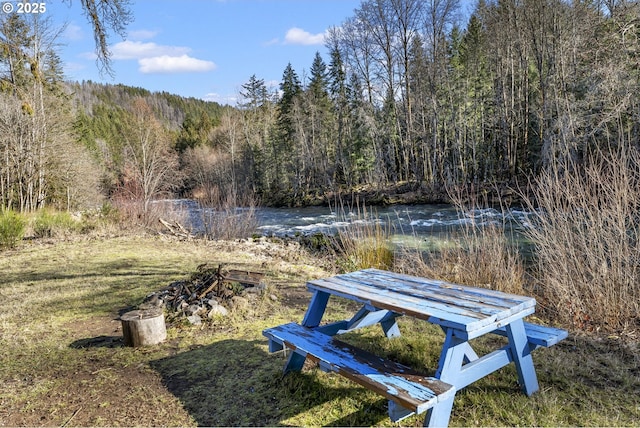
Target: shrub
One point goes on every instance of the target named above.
(12, 227)
(586, 236)
(49, 224)
(365, 243)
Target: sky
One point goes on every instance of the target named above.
(202, 48)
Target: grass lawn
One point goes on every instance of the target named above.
(62, 361)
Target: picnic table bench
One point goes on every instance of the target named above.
(411, 391)
(464, 313)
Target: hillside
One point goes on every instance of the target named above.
(96, 100)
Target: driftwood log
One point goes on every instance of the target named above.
(176, 229)
(143, 327)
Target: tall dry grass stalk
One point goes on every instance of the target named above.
(132, 215)
(365, 243)
(231, 216)
(484, 255)
(586, 234)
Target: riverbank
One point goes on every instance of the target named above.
(62, 361)
(402, 193)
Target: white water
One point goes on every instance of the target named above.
(401, 220)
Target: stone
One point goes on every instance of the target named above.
(194, 319)
(218, 311)
(239, 303)
(193, 309)
(151, 302)
(258, 289)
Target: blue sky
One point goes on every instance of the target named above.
(203, 48)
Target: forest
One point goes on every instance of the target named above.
(410, 95)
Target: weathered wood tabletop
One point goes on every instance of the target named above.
(470, 310)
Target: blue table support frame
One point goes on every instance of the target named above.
(460, 366)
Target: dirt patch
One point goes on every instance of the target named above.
(292, 296)
(95, 327)
(91, 385)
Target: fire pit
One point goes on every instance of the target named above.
(209, 291)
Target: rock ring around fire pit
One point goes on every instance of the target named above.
(209, 292)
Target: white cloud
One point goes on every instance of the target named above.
(174, 64)
(154, 58)
(271, 42)
(73, 32)
(142, 34)
(231, 100)
(139, 50)
(298, 36)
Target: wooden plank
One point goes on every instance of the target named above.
(470, 297)
(402, 304)
(244, 277)
(447, 314)
(483, 300)
(448, 294)
(469, 290)
(539, 335)
(460, 307)
(394, 381)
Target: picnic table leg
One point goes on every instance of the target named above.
(390, 325)
(469, 353)
(316, 309)
(294, 363)
(454, 354)
(521, 353)
(311, 318)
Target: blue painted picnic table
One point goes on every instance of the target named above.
(464, 313)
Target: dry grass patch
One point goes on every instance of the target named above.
(62, 361)
(480, 253)
(364, 243)
(61, 354)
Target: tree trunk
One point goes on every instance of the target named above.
(143, 327)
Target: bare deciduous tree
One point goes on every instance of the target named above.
(150, 162)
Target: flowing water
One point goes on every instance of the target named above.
(406, 223)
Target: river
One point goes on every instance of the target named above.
(405, 223)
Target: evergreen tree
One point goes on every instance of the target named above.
(195, 131)
(290, 88)
(339, 94)
(320, 149)
(254, 94)
(282, 142)
(257, 123)
(318, 83)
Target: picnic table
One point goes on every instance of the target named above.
(464, 313)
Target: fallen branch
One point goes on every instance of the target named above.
(176, 229)
(70, 418)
